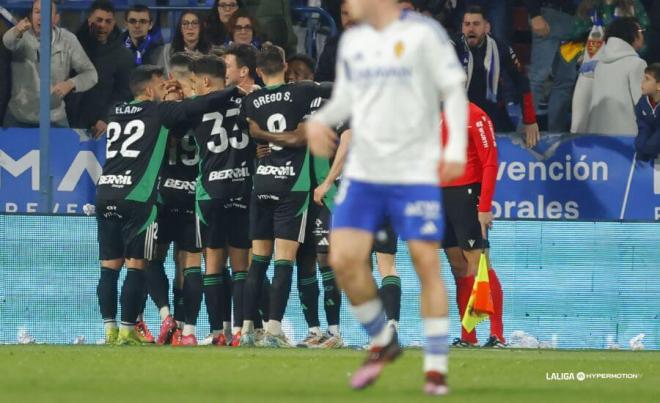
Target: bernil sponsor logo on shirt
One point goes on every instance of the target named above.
(116, 180)
(179, 184)
(277, 171)
(234, 174)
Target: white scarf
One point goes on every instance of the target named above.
(492, 65)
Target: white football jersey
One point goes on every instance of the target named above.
(391, 83)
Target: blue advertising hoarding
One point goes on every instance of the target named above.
(563, 178)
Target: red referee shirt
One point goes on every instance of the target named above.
(481, 164)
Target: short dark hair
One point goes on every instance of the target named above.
(654, 71)
(476, 9)
(270, 60)
(300, 57)
(104, 5)
(138, 8)
(141, 75)
(182, 59)
(624, 28)
(210, 65)
(246, 56)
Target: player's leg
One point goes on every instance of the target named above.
(331, 294)
(360, 208)
(216, 260)
(111, 251)
(239, 259)
(140, 232)
(416, 213)
(385, 247)
(261, 233)
(464, 280)
(289, 227)
(157, 282)
(239, 256)
(308, 292)
(496, 339)
(434, 313)
(189, 259)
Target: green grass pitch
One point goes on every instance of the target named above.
(41, 373)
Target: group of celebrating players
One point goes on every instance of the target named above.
(221, 168)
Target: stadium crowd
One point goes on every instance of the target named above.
(590, 54)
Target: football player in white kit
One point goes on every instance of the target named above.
(393, 73)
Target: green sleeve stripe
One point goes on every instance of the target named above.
(303, 183)
(145, 188)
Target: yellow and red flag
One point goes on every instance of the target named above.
(480, 304)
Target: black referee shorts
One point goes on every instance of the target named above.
(462, 227)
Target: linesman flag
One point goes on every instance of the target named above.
(480, 304)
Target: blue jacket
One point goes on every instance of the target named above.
(647, 143)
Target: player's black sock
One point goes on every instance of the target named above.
(308, 292)
(192, 294)
(226, 295)
(143, 301)
(331, 296)
(213, 289)
(254, 284)
(131, 295)
(280, 289)
(237, 287)
(179, 306)
(106, 291)
(390, 293)
(264, 304)
(157, 283)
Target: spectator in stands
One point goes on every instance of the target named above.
(242, 30)
(140, 37)
(102, 41)
(617, 80)
(300, 68)
(5, 72)
(275, 24)
(66, 55)
(552, 21)
(498, 13)
(486, 60)
(604, 12)
(241, 62)
(647, 143)
(189, 37)
(325, 69)
(217, 24)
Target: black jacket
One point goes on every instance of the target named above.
(114, 64)
(325, 69)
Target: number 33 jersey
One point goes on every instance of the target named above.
(226, 153)
(278, 109)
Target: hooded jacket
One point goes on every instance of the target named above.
(114, 64)
(647, 143)
(616, 90)
(66, 55)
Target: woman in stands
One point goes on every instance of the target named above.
(189, 38)
(217, 24)
(242, 30)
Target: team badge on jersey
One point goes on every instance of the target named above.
(399, 49)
